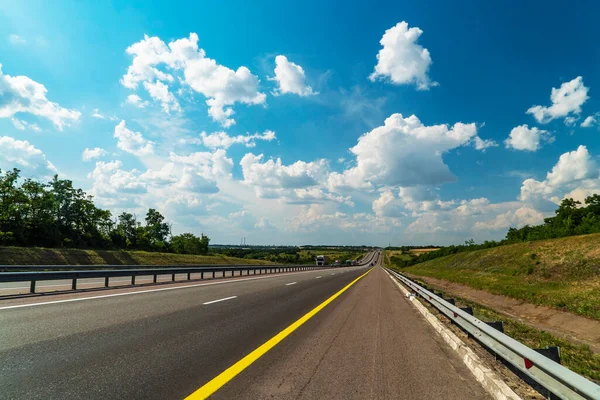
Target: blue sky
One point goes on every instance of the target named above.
(176, 101)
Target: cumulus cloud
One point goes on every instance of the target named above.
(90, 154)
(108, 178)
(132, 142)
(575, 169)
(160, 92)
(565, 100)
(23, 155)
(388, 205)
(290, 78)
(590, 121)
(20, 94)
(273, 174)
(524, 138)
(512, 218)
(222, 86)
(136, 100)
(208, 165)
(223, 140)
(402, 60)
(403, 152)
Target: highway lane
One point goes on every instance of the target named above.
(165, 344)
(158, 344)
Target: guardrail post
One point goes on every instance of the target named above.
(32, 287)
(133, 279)
(498, 325)
(154, 279)
(74, 284)
(202, 275)
(173, 277)
(451, 301)
(189, 276)
(468, 310)
(106, 281)
(552, 352)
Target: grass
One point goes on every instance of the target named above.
(561, 273)
(45, 256)
(578, 358)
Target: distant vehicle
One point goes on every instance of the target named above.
(322, 260)
(337, 262)
(354, 262)
(348, 262)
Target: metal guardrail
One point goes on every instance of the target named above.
(74, 275)
(556, 378)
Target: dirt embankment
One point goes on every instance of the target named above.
(560, 323)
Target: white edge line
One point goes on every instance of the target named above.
(291, 283)
(223, 299)
(150, 290)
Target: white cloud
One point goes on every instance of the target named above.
(132, 142)
(571, 121)
(483, 144)
(223, 140)
(575, 169)
(290, 78)
(273, 174)
(208, 165)
(90, 154)
(16, 40)
(23, 155)
(136, 100)
(108, 179)
(223, 87)
(402, 60)
(512, 218)
(20, 94)
(23, 125)
(403, 152)
(590, 121)
(160, 92)
(524, 138)
(96, 114)
(162, 176)
(388, 205)
(565, 100)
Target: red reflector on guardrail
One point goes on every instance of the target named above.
(528, 363)
(455, 315)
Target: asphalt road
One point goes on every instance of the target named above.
(165, 342)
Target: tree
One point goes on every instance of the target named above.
(157, 229)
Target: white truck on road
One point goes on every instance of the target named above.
(322, 260)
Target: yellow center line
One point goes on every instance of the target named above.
(220, 380)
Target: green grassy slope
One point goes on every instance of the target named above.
(562, 273)
(43, 256)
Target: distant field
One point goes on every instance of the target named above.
(420, 251)
(562, 273)
(43, 256)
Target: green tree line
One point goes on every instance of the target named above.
(55, 214)
(571, 218)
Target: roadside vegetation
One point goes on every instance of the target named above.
(47, 256)
(578, 358)
(57, 215)
(570, 219)
(562, 273)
